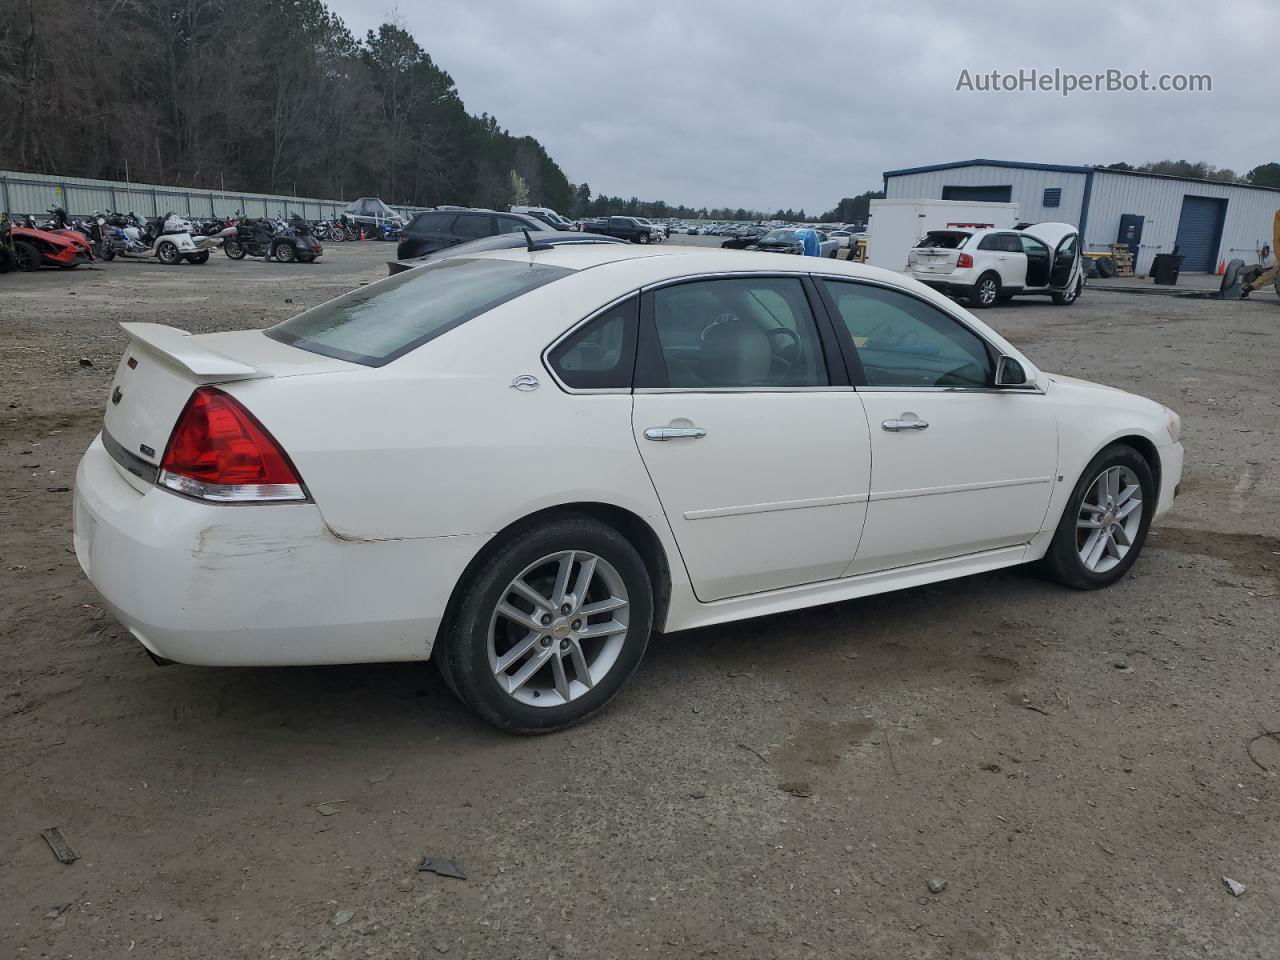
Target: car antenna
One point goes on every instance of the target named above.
(532, 246)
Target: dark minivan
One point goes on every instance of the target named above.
(434, 230)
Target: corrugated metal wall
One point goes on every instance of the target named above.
(1247, 227)
(33, 193)
(1028, 188)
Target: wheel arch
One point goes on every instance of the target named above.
(639, 533)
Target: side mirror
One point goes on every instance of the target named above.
(1010, 373)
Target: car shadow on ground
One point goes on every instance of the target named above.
(920, 630)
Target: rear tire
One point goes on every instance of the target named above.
(985, 292)
(26, 256)
(463, 653)
(167, 253)
(201, 257)
(234, 249)
(285, 252)
(1063, 561)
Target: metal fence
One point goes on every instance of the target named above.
(33, 193)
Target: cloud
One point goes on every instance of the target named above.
(726, 102)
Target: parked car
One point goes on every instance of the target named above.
(434, 230)
(373, 215)
(752, 434)
(786, 240)
(624, 228)
(546, 215)
(658, 231)
(987, 266)
(501, 241)
(746, 237)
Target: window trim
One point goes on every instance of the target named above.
(633, 322)
(545, 356)
(651, 367)
(859, 379)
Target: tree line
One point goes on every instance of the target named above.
(848, 210)
(268, 96)
(1263, 175)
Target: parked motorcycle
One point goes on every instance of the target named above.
(34, 247)
(274, 240)
(169, 239)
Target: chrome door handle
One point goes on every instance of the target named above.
(674, 433)
(896, 426)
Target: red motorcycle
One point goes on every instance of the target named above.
(62, 246)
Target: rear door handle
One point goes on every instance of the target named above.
(674, 433)
(896, 426)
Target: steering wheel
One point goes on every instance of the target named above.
(718, 321)
(785, 332)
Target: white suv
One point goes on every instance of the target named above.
(986, 266)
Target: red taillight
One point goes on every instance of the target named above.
(219, 451)
(963, 261)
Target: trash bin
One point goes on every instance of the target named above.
(1165, 267)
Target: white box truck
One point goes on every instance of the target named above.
(895, 225)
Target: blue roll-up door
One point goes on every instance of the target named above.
(1200, 233)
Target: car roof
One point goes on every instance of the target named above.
(672, 262)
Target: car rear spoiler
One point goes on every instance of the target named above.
(204, 365)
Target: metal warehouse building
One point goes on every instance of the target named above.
(1209, 222)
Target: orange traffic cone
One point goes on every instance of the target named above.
(1222, 267)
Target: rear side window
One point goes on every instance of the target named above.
(432, 222)
(378, 323)
(944, 239)
(602, 355)
(991, 241)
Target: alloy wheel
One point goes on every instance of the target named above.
(558, 628)
(987, 291)
(1109, 519)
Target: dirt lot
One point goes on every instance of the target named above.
(1073, 765)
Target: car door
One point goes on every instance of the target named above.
(1063, 240)
(958, 465)
(756, 444)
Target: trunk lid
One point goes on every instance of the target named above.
(937, 252)
(163, 365)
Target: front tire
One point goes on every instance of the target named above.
(26, 256)
(1067, 297)
(1105, 523)
(201, 257)
(985, 292)
(549, 627)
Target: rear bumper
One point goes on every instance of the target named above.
(952, 288)
(256, 585)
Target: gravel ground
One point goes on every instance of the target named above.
(1073, 765)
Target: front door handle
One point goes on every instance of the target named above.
(896, 426)
(674, 433)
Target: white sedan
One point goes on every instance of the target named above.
(520, 463)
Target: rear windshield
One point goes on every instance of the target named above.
(944, 239)
(378, 323)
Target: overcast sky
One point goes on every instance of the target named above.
(796, 103)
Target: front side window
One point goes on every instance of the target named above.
(602, 355)
(472, 226)
(905, 342)
(378, 323)
(512, 225)
(739, 333)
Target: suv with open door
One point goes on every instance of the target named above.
(986, 266)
